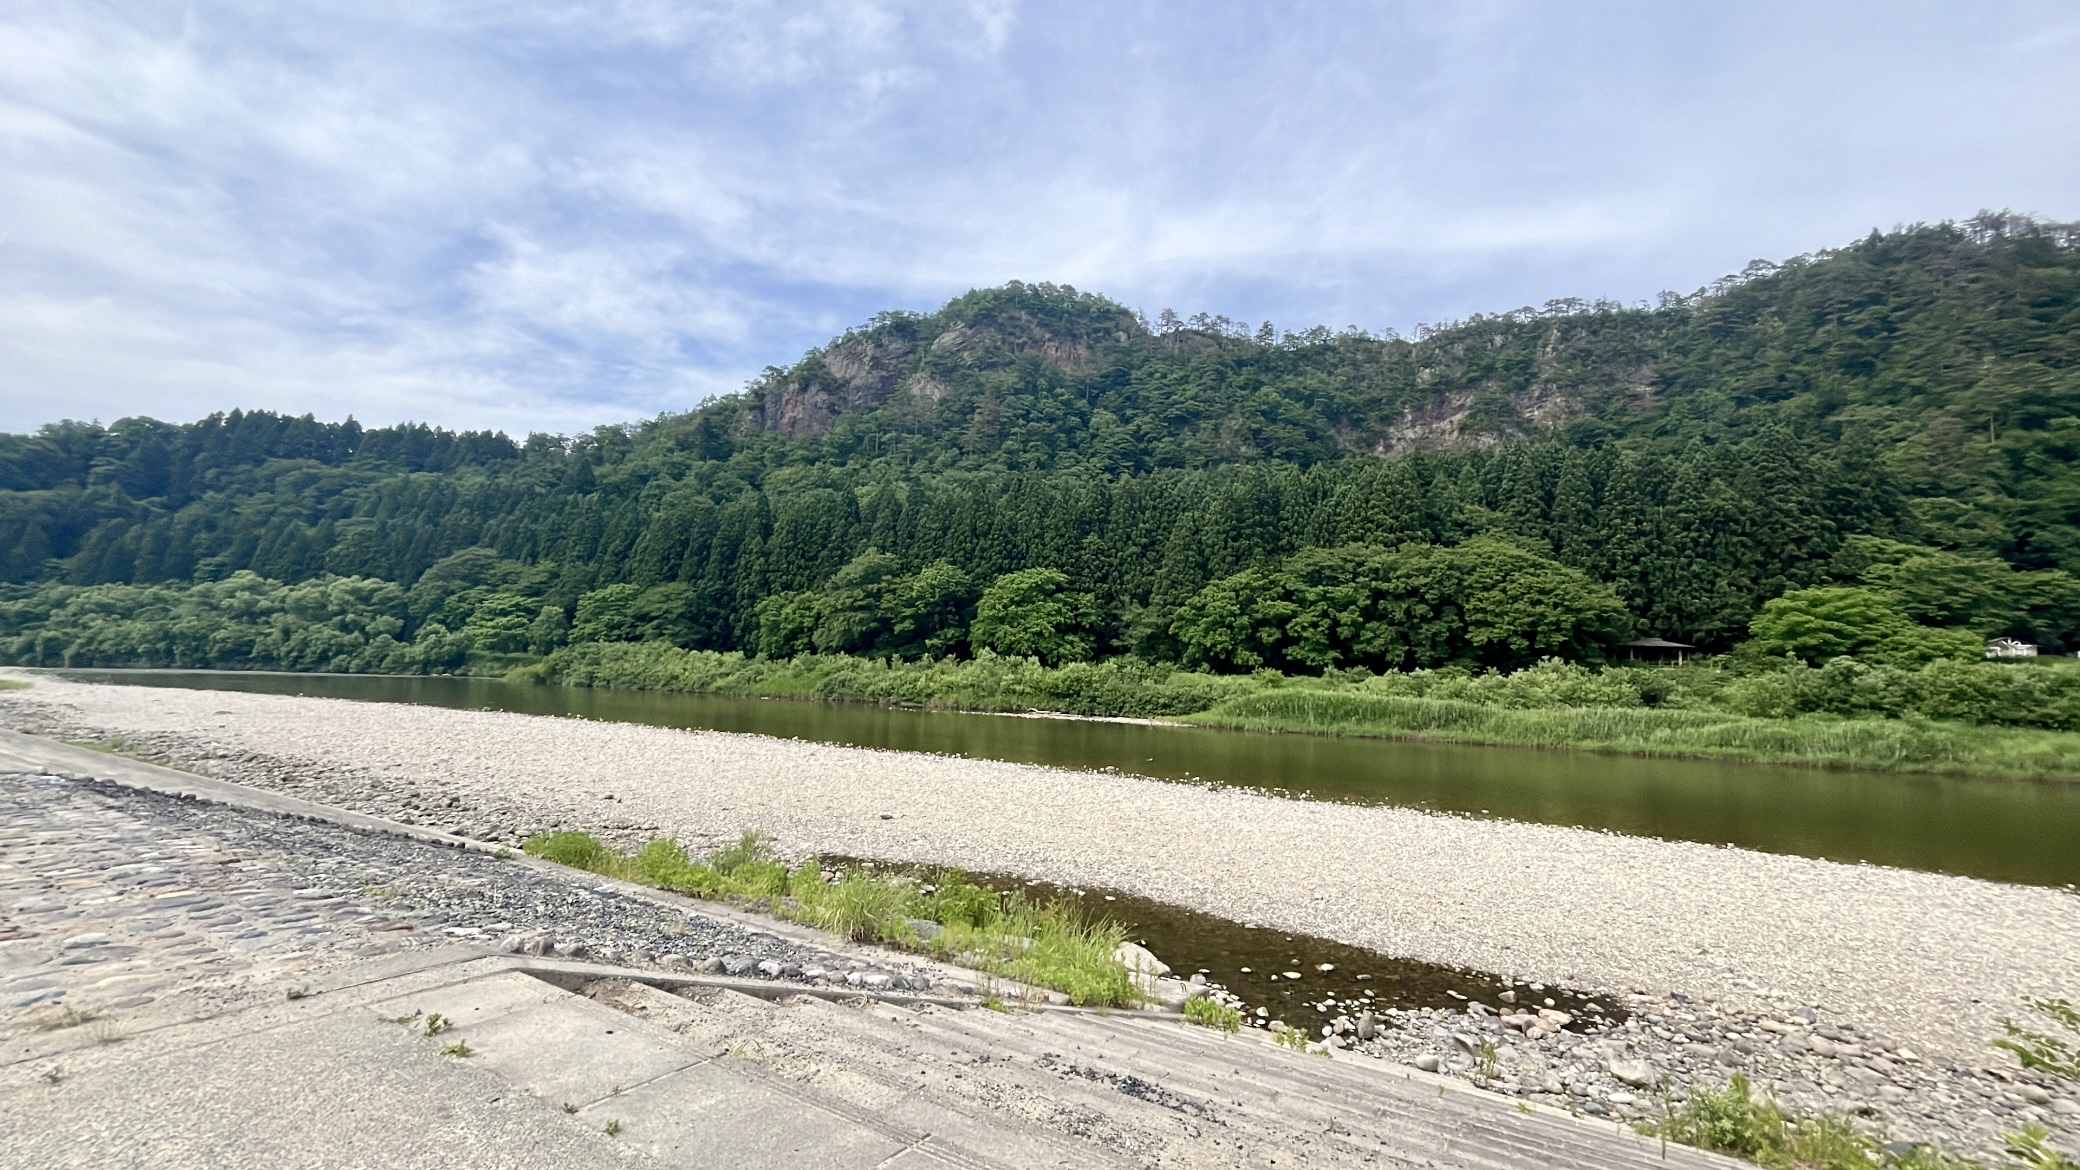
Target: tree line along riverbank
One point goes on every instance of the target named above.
(1992, 719)
(1844, 474)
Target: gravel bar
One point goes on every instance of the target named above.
(1928, 960)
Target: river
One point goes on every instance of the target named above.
(2003, 830)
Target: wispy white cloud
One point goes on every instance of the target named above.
(568, 212)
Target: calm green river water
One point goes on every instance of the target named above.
(2008, 831)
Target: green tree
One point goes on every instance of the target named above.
(852, 607)
(1487, 602)
(787, 624)
(1830, 621)
(551, 628)
(500, 623)
(1989, 596)
(1519, 607)
(666, 613)
(1238, 622)
(607, 615)
(1032, 613)
(929, 611)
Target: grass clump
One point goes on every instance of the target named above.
(577, 850)
(2044, 1052)
(61, 1017)
(1737, 1120)
(121, 745)
(859, 905)
(1048, 945)
(1208, 1014)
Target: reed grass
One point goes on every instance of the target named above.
(1902, 745)
(986, 682)
(1680, 712)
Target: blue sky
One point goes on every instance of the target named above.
(561, 214)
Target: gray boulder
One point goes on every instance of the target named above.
(1637, 1073)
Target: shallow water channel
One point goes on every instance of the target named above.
(1296, 978)
(2001, 830)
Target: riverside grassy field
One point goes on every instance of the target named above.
(1704, 711)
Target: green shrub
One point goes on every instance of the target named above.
(1952, 690)
(1549, 682)
(987, 682)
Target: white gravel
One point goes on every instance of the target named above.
(1930, 960)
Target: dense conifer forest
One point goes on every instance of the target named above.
(1039, 472)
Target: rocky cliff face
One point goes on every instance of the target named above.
(856, 373)
(1485, 383)
(1501, 380)
(924, 358)
(1477, 416)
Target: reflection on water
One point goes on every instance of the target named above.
(2009, 831)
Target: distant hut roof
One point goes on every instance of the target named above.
(1655, 644)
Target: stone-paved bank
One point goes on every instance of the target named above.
(120, 909)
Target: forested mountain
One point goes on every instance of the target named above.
(1666, 469)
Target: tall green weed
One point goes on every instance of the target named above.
(1737, 1120)
(1045, 944)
